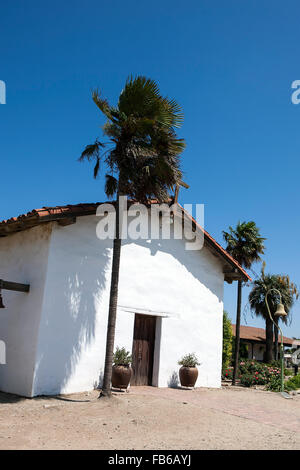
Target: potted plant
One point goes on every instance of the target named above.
(188, 372)
(121, 373)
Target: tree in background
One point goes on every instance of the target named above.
(257, 302)
(243, 351)
(143, 163)
(227, 341)
(244, 244)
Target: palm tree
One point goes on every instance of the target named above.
(257, 302)
(245, 244)
(143, 163)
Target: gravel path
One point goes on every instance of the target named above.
(152, 418)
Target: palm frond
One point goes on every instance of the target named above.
(96, 167)
(111, 185)
(141, 98)
(102, 104)
(92, 151)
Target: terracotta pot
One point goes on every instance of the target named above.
(121, 376)
(188, 376)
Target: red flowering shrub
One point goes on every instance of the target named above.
(248, 380)
(227, 373)
(252, 373)
(256, 373)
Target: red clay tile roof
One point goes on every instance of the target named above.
(45, 214)
(258, 335)
(49, 214)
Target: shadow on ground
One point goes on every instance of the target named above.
(10, 398)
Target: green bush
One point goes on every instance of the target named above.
(227, 341)
(189, 360)
(243, 352)
(247, 380)
(275, 364)
(293, 383)
(274, 384)
(122, 357)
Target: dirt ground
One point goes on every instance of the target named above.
(152, 418)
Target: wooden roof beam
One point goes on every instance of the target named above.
(7, 285)
(180, 183)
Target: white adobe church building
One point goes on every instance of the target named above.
(170, 302)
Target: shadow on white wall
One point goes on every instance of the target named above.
(69, 325)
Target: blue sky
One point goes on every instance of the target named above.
(229, 64)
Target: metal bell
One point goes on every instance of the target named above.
(280, 312)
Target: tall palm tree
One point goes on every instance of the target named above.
(143, 162)
(257, 302)
(245, 244)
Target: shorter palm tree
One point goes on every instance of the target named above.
(246, 245)
(257, 302)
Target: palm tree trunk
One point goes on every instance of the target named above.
(269, 341)
(113, 302)
(276, 340)
(237, 333)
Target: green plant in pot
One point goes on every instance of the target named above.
(188, 372)
(122, 372)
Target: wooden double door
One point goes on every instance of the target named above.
(143, 349)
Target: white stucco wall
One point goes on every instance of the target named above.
(72, 332)
(184, 288)
(23, 258)
(55, 335)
